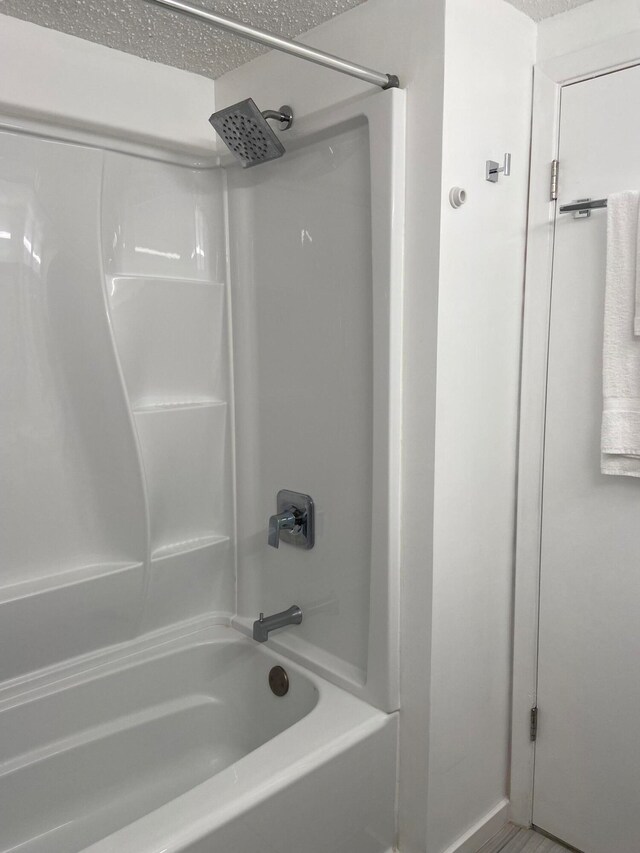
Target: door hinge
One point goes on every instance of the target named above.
(553, 188)
(533, 724)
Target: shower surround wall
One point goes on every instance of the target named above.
(317, 296)
(304, 386)
(165, 267)
(73, 513)
(315, 249)
(117, 494)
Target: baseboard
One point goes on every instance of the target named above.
(482, 831)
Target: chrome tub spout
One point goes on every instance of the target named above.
(265, 624)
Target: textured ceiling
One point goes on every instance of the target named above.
(149, 31)
(154, 33)
(539, 9)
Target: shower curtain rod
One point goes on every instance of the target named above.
(303, 51)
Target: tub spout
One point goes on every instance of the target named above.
(265, 624)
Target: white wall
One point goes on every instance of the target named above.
(60, 79)
(588, 25)
(490, 51)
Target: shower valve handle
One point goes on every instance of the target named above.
(294, 521)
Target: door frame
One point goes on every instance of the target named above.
(549, 79)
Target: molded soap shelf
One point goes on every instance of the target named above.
(170, 336)
(186, 463)
(187, 545)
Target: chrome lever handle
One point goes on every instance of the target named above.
(286, 520)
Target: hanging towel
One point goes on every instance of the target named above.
(621, 352)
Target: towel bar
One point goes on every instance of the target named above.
(583, 204)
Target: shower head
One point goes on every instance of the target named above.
(244, 130)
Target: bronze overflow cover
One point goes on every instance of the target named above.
(279, 681)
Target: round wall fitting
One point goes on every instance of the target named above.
(457, 196)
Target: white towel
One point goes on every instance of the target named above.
(621, 353)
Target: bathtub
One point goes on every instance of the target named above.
(180, 745)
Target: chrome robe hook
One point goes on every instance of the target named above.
(493, 169)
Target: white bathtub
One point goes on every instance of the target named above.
(182, 746)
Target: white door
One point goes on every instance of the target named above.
(587, 763)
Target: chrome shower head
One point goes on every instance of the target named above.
(245, 132)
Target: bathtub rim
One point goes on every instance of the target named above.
(336, 722)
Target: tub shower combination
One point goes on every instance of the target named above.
(194, 657)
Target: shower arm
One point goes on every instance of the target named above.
(302, 51)
(284, 115)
